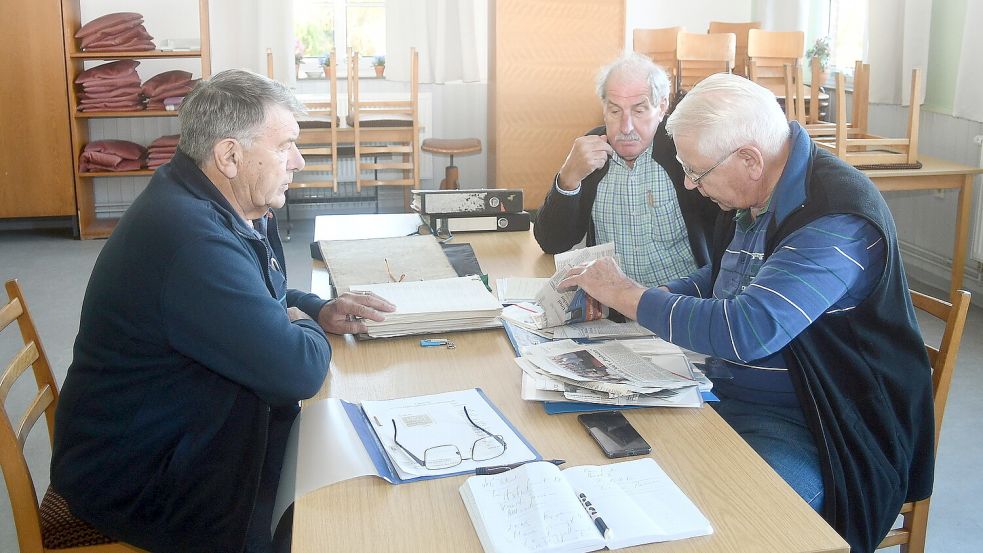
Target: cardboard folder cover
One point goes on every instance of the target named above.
(498, 222)
(378, 260)
(484, 201)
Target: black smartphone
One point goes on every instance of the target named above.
(616, 436)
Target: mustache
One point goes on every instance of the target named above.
(633, 135)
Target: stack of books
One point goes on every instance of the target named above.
(485, 209)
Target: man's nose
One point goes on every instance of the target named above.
(627, 125)
(296, 162)
(689, 184)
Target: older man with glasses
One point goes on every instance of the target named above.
(804, 311)
(621, 183)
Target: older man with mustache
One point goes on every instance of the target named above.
(622, 183)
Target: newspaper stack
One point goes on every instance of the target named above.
(609, 373)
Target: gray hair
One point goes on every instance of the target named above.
(635, 65)
(728, 111)
(232, 104)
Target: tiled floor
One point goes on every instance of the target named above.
(53, 270)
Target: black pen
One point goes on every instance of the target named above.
(595, 516)
(485, 471)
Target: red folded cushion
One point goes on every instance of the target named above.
(111, 70)
(165, 80)
(132, 35)
(90, 108)
(125, 165)
(173, 92)
(112, 31)
(138, 46)
(111, 93)
(122, 148)
(166, 140)
(97, 85)
(107, 21)
(111, 102)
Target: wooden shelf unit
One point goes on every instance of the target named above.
(89, 225)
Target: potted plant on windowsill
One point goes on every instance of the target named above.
(820, 51)
(325, 62)
(379, 63)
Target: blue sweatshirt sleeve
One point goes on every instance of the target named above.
(222, 315)
(828, 266)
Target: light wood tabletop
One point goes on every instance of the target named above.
(938, 174)
(749, 506)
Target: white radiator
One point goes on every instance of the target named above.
(977, 252)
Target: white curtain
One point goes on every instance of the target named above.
(451, 37)
(782, 15)
(968, 100)
(242, 30)
(897, 42)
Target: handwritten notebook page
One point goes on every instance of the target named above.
(639, 502)
(532, 509)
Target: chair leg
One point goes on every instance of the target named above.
(450, 178)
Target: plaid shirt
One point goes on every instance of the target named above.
(636, 208)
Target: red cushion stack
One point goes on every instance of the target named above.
(113, 86)
(112, 155)
(169, 84)
(162, 150)
(115, 32)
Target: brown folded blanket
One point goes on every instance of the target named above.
(111, 93)
(111, 70)
(107, 21)
(125, 165)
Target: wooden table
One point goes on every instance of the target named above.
(749, 505)
(938, 174)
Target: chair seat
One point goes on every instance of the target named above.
(60, 529)
(382, 120)
(451, 146)
(316, 122)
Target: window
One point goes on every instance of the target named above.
(323, 25)
(847, 32)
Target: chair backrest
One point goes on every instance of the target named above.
(660, 46)
(701, 55)
(319, 141)
(911, 534)
(740, 30)
(768, 52)
(16, 472)
(386, 128)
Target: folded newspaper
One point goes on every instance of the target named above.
(609, 373)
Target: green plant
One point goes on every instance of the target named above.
(380, 61)
(325, 60)
(820, 50)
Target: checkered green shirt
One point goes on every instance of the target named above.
(637, 210)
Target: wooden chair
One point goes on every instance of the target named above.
(768, 52)
(50, 526)
(701, 55)
(911, 534)
(859, 148)
(808, 113)
(740, 30)
(660, 46)
(384, 129)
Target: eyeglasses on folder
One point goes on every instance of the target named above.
(441, 457)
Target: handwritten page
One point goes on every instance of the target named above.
(535, 508)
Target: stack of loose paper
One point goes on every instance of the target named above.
(433, 306)
(608, 373)
(519, 289)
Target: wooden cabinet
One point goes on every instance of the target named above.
(544, 55)
(90, 225)
(35, 145)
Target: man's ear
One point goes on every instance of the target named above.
(227, 155)
(753, 161)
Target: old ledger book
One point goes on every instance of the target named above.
(433, 306)
(538, 508)
(377, 260)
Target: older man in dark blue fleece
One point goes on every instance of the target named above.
(192, 353)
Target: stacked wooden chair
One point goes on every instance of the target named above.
(700, 55)
(740, 31)
(660, 46)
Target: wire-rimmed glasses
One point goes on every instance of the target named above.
(446, 456)
(696, 178)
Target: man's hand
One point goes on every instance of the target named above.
(588, 154)
(604, 281)
(344, 314)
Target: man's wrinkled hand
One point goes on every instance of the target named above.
(588, 154)
(604, 280)
(344, 314)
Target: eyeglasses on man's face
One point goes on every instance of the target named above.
(446, 456)
(695, 178)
